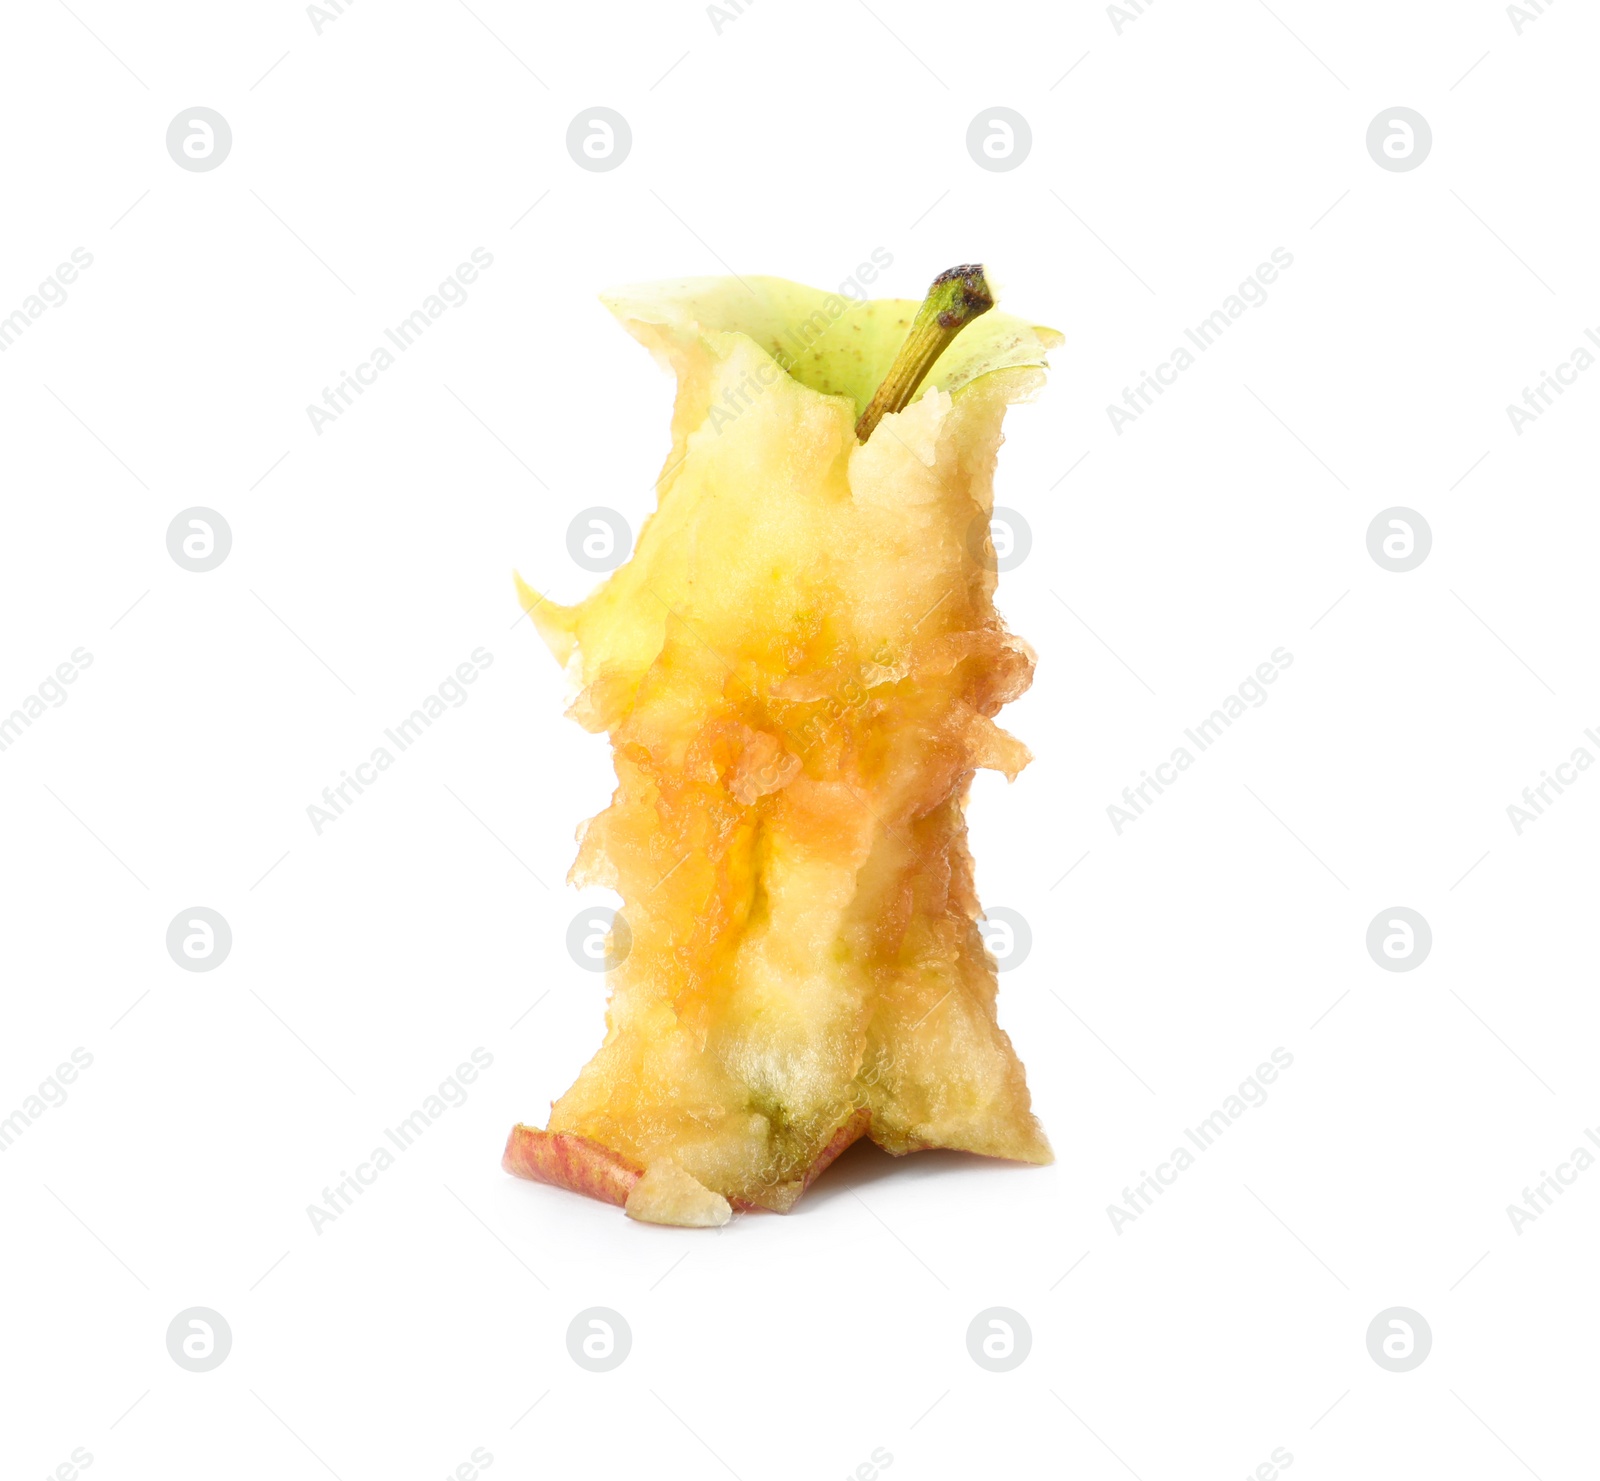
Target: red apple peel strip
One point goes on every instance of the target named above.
(567, 1161)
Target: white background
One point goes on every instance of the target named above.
(368, 561)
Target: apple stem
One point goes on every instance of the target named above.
(955, 298)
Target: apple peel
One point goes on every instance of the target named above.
(565, 1160)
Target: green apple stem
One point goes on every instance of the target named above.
(957, 296)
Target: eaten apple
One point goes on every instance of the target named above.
(799, 670)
